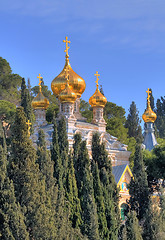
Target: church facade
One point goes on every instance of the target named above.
(68, 87)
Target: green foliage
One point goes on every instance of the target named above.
(7, 111)
(138, 187)
(131, 142)
(86, 110)
(160, 121)
(86, 195)
(72, 195)
(98, 194)
(133, 230)
(12, 225)
(109, 187)
(29, 183)
(9, 83)
(53, 108)
(133, 123)
(26, 102)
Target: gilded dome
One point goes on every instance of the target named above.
(76, 83)
(40, 101)
(67, 95)
(149, 115)
(97, 99)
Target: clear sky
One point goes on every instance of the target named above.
(124, 40)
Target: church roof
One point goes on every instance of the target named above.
(119, 171)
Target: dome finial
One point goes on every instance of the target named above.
(97, 79)
(148, 96)
(67, 47)
(149, 115)
(39, 81)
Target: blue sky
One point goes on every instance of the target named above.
(124, 40)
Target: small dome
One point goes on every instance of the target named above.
(76, 83)
(149, 115)
(40, 101)
(97, 99)
(67, 95)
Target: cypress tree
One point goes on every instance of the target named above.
(86, 195)
(12, 225)
(138, 187)
(133, 123)
(55, 156)
(76, 159)
(26, 102)
(98, 194)
(72, 195)
(109, 187)
(63, 145)
(29, 183)
(46, 165)
(133, 230)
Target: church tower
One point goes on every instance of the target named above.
(40, 103)
(70, 81)
(98, 102)
(149, 118)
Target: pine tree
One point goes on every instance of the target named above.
(133, 123)
(29, 87)
(29, 182)
(98, 194)
(86, 194)
(138, 187)
(109, 187)
(12, 225)
(133, 230)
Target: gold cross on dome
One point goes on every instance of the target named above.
(39, 81)
(28, 123)
(67, 47)
(148, 92)
(97, 78)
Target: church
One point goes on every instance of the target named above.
(68, 88)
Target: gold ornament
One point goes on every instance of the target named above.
(29, 127)
(97, 99)
(76, 83)
(40, 101)
(149, 115)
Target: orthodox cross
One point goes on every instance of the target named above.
(148, 92)
(39, 81)
(67, 47)
(97, 78)
(28, 123)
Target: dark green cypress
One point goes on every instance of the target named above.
(55, 156)
(29, 183)
(98, 194)
(109, 186)
(132, 227)
(133, 123)
(26, 102)
(76, 159)
(46, 165)
(86, 195)
(138, 187)
(12, 225)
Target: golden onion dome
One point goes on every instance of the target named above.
(149, 115)
(76, 83)
(67, 95)
(40, 101)
(97, 99)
